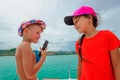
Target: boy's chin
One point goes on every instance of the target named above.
(35, 42)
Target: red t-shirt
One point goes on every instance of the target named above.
(96, 50)
(119, 43)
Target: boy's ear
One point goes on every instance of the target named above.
(26, 30)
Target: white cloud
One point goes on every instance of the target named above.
(60, 36)
(110, 20)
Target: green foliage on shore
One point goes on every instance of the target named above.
(11, 52)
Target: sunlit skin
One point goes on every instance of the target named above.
(27, 68)
(32, 33)
(85, 25)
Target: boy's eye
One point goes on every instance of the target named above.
(37, 32)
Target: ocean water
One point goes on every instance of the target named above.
(55, 67)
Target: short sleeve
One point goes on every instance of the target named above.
(77, 46)
(113, 41)
(119, 43)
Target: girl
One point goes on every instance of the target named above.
(27, 67)
(98, 51)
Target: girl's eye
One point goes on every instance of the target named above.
(76, 20)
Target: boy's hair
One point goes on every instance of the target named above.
(32, 26)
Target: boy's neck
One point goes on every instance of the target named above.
(26, 40)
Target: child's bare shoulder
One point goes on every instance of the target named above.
(22, 46)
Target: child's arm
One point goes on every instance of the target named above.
(30, 68)
(79, 67)
(115, 58)
(41, 61)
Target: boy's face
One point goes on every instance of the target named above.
(33, 33)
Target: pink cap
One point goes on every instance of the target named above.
(80, 11)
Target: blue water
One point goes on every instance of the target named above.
(58, 66)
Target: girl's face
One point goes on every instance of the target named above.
(81, 23)
(34, 32)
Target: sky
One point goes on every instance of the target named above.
(60, 36)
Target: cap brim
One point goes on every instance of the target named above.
(69, 20)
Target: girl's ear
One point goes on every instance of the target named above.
(90, 18)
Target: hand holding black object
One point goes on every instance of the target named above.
(44, 47)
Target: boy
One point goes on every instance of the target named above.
(27, 67)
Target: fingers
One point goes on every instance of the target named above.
(43, 52)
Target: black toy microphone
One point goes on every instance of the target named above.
(44, 47)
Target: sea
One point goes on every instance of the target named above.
(60, 67)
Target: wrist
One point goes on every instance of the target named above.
(43, 57)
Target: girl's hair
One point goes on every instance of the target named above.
(95, 24)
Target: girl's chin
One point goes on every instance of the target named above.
(79, 31)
